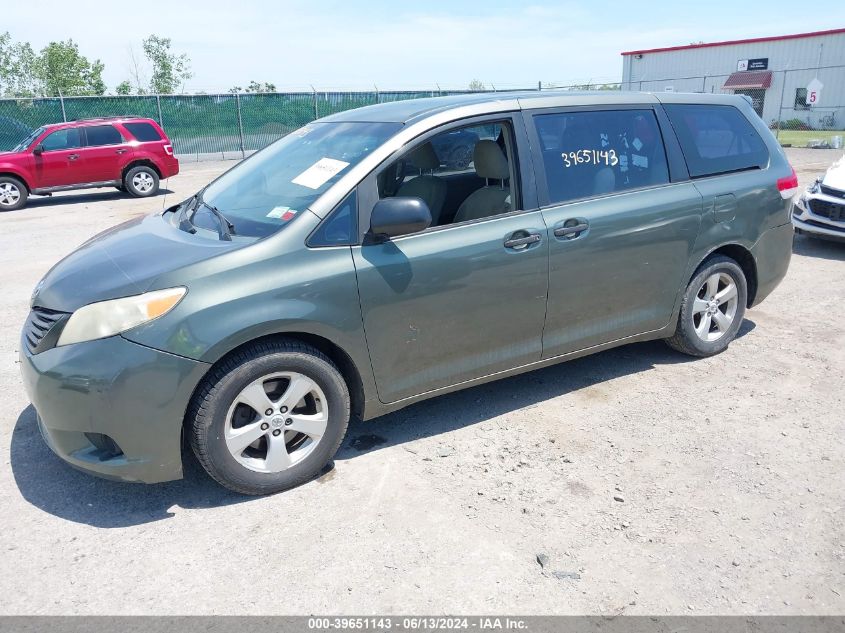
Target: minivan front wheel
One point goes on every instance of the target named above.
(712, 308)
(141, 181)
(269, 417)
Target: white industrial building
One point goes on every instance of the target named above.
(778, 73)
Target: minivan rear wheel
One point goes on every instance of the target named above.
(712, 308)
(13, 193)
(141, 181)
(269, 417)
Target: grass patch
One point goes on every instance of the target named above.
(800, 138)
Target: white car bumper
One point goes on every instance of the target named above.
(820, 214)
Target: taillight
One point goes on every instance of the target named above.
(788, 185)
(168, 149)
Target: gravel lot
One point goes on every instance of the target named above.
(649, 482)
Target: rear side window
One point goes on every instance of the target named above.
(595, 153)
(716, 139)
(144, 132)
(102, 135)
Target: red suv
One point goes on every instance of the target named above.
(129, 153)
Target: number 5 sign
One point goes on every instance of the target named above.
(814, 92)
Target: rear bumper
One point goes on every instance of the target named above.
(133, 394)
(772, 254)
(170, 167)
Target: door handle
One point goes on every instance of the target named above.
(73, 156)
(571, 229)
(120, 151)
(522, 242)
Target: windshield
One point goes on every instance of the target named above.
(266, 191)
(28, 140)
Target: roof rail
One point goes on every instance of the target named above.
(110, 118)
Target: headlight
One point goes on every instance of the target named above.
(816, 186)
(107, 318)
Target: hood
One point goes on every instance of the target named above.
(123, 261)
(835, 176)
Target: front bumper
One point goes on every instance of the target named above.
(135, 395)
(830, 226)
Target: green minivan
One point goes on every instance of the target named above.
(354, 267)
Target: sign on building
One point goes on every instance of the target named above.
(759, 63)
(814, 92)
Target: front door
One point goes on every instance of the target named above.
(60, 163)
(465, 298)
(105, 153)
(620, 231)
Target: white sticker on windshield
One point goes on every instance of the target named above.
(638, 144)
(282, 213)
(319, 173)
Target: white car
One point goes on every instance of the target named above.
(820, 211)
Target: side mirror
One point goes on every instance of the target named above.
(38, 150)
(393, 217)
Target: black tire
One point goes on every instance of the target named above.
(141, 174)
(206, 418)
(685, 339)
(13, 193)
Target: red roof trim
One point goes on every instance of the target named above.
(729, 42)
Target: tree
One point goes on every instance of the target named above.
(255, 86)
(169, 70)
(62, 71)
(136, 72)
(124, 88)
(477, 86)
(17, 68)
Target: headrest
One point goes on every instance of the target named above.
(490, 161)
(424, 157)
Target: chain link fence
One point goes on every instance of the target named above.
(232, 125)
(221, 125)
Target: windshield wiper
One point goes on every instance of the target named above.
(185, 223)
(225, 228)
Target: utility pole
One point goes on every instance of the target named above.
(240, 124)
(62, 102)
(158, 105)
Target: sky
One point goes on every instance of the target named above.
(401, 44)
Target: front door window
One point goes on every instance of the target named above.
(462, 174)
(62, 140)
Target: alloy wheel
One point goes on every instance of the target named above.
(143, 182)
(9, 194)
(715, 306)
(276, 421)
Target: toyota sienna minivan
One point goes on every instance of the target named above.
(349, 269)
